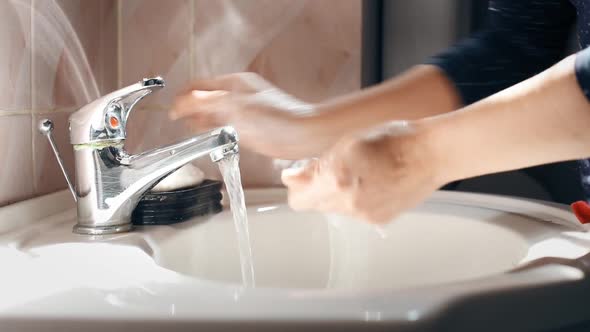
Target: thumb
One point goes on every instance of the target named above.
(300, 175)
(300, 182)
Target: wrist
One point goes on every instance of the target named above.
(442, 150)
(310, 131)
(413, 145)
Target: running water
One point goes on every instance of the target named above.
(233, 184)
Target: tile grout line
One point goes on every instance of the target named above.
(119, 14)
(32, 50)
(192, 51)
(15, 112)
(6, 113)
(36, 111)
(101, 45)
(33, 100)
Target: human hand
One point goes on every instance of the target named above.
(372, 177)
(267, 120)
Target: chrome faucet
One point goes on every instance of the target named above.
(109, 181)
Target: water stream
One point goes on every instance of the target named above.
(233, 184)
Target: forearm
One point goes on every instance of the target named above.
(541, 120)
(422, 91)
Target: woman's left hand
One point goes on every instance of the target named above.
(373, 177)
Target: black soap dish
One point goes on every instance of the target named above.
(170, 207)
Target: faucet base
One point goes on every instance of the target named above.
(102, 230)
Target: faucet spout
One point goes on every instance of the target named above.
(143, 171)
(108, 195)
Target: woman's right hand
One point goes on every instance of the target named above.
(373, 177)
(268, 120)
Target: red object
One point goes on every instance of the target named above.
(582, 211)
(114, 122)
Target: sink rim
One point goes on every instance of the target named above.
(285, 304)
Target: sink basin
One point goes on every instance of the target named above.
(312, 250)
(457, 252)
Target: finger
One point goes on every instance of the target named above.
(310, 188)
(194, 101)
(300, 175)
(304, 192)
(305, 198)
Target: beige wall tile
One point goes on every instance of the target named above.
(311, 49)
(15, 39)
(16, 171)
(74, 51)
(155, 40)
(228, 35)
(318, 55)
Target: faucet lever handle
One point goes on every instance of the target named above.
(105, 119)
(129, 96)
(46, 128)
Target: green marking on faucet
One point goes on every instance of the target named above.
(99, 145)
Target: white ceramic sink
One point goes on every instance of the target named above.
(309, 267)
(311, 250)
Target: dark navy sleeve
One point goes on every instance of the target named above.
(583, 71)
(521, 38)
